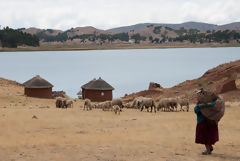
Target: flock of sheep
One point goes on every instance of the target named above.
(164, 104)
(116, 105)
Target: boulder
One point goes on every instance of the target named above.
(153, 85)
(228, 85)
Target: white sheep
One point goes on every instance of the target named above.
(136, 102)
(117, 101)
(87, 104)
(147, 102)
(183, 102)
(107, 105)
(116, 109)
(128, 105)
(68, 103)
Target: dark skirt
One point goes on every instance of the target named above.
(206, 133)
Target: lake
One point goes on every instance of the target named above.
(127, 71)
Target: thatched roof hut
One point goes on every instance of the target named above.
(97, 90)
(38, 87)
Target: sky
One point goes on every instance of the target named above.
(106, 14)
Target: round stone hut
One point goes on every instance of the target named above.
(38, 87)
(97, 90)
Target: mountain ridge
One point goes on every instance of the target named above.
(188, 25)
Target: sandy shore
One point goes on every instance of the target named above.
(73, 134)
(65, 47)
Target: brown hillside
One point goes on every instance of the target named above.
(212, 79)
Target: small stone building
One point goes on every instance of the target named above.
(38, 87)
(97, 90)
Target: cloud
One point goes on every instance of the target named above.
(104, 14)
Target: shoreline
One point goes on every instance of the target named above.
(112, 47)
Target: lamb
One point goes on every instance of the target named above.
(147, 102)
(183, 102)
(87, 104)
(117, 101)
(116, 109)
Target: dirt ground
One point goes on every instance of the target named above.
(76, 135)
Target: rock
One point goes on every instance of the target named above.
(226, 86)
(56, 94)
(153, 85)
(34, 117)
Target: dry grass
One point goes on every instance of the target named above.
(73, 134)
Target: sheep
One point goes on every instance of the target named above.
(183, 102)
(98, 105)
(68, 103)
(87, 104)
(161, 105)
(116, 109)
(117, 101)
(136, 102)
(147, 102)
(167, 104)
(59, 102)
(128, 105)
(107, 105)
(173, 103)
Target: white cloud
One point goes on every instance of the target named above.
(104, 14)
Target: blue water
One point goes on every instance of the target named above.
(127, 71)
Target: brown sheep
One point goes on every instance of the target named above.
(59, 102)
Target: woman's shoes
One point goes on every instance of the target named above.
(211, 148)
(206, 152)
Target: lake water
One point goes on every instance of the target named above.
(127, 71)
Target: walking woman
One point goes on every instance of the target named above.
(209, 110)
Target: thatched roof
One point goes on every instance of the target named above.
(99, 84)
(37, 82)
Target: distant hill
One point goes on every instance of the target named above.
(71, 32)
(188, 25)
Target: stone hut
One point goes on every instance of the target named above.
(38, 87)
(97, 90)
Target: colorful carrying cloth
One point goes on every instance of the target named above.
(214, 110)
